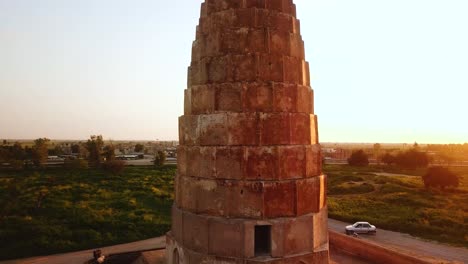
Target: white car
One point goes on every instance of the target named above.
(361, 228)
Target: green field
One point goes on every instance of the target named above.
(398, 202)
(54, 210)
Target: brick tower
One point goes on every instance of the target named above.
(249, 187)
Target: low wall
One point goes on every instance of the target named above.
(375, 253)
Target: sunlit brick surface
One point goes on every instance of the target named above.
(249, 153)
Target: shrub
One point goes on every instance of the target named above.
(412, 159)
(440, 177)
(114, 166)
(358, 158)
(159, 158)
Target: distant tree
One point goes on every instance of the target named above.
(109, 152)
(17, 152)
(139, 148)
(159, 158)
(94, 146)
(83, 152)
(412, 159)
(5, 142)
(440, 177)
(358, 158)
(56, 151)
(388, 159)
(40, 151)
(115, 167)
(75, 148)
(377, 148)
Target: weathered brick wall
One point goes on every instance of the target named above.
(249, 152)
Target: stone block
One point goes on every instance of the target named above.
(258, 97)
(313, 161)
(243, 129)
(181, 160)
(320, 224)
(262, 163)
(222, 20)
(291, 162)
(279, 43)
(308, 196)
(207, 162)
(245, 199)
(195, 232)
(305, 73)
(296, 26)
(187, 192)
(257, 41)
(226, 237)
(299, 231)
(229, 163)
(293, 71)
(218, 69)
(249, 239)
(277, 238)
(177, 223)
(305, 100)
(279, 199)
(235, 41)
(229, 98)
(198, 72)
(188, 130)
(280, 22)
(275, 128)
(245, 18)
(211, 48)
(300, 129)
(177, 190)
(242, 68)
(187, 102)
(270, 68)
(193, 161)
(203, 10)
(285, 97)
(221, 5)
(197, 51)
(203, 99)
(213, 130)
(314, 138)
(211, 197)
(296, 46)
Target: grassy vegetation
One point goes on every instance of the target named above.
(55, 210)
(399, 203)
(58, 210)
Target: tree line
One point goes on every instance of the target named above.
(92, 153)
(414, 158)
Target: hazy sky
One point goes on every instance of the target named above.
(382, 71)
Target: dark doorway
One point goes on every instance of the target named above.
(262, 240)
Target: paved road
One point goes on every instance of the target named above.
(407, 243)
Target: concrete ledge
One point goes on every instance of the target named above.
(374, 252)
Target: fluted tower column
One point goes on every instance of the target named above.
(249, 187)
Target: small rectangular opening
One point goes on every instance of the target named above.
(262, 240)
